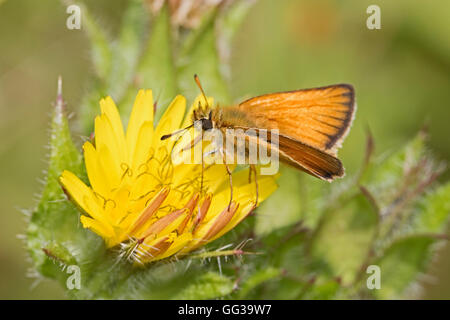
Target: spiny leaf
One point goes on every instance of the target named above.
(256, 279)
(397, 184)
(54, 233)
(208, 286)
(53, 211)
(385, 176)
(401, 264)
(174, 280)
(434, 211)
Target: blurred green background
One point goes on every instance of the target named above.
(401, 74)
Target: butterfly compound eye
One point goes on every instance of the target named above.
(206, 124)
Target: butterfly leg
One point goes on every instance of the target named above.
(255, 172)
(229, 176)
(201, 179)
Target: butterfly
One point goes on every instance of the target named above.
(309, 124)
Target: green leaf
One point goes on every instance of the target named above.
(199, 55)
(343, 239)
(156, 69)
(256, 279)
(127, 50)
(434, 211)
(401, 264)
(207, 286)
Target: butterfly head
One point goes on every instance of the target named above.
(204, 118)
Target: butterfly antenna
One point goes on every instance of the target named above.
(166, 136)
(197, 81)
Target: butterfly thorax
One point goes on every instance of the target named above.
(223, 117)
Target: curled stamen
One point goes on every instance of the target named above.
(165, 209)
(105, 201)
(183, 194)
(153, 176)
(109, 200)
(127, 170)
(145, 165)
(99, 196)
(144, 195)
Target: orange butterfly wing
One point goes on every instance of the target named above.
(318, 117)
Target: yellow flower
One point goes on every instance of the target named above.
(141, 200)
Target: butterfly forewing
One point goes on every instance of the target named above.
(318, 117)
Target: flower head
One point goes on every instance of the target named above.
(139, 199)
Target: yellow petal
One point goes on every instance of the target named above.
(141, 114)
(170, 122)
(102, 229)
(109, 110)
(109, 166)
(97, 176)
(143, 144)
(105, 135)
(82, 195)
